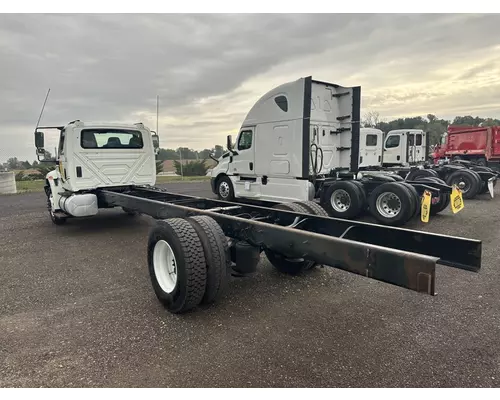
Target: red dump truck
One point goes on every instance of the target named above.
(480, 144)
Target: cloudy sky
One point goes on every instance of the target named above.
(209, 69)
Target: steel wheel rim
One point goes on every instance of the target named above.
(165, 266)
(340, 200)
(388, 205)
(462, 184)
(224, 189)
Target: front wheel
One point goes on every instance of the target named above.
(225, 190)
(56, 219)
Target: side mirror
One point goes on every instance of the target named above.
(39, 140)
(229, 144)
(156, 141)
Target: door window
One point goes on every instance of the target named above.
(411, 139)
(392, 141)
(418, 140)
(62, 137)
(371, 140)
(245, 140)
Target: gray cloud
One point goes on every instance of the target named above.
(111, 67)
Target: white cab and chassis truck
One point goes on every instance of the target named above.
(198, 243)
(302, 141)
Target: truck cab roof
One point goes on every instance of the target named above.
(97, 124)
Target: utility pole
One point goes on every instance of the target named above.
(180, 156)
(157, 107)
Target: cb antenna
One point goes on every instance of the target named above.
(41, 112)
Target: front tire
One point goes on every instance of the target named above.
(177, 265)
(56, 220)
(225, 189)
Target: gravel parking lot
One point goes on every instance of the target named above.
(77, 309)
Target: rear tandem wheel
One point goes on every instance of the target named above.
(391, 204)
(177, 265)
(281, 262)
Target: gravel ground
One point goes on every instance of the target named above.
(77, 309)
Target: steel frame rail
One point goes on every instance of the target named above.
(402, 257)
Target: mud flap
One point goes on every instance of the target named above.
(490, 187)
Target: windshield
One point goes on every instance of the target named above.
(111, 139)
(443, 138)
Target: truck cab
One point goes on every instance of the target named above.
(92, 156)
(371, 142)
(294, 133)
(405, 147)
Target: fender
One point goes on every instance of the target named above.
(53, 179)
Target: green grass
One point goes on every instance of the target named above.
(30, 186)
(37, 186)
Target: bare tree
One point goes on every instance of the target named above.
(371, 119)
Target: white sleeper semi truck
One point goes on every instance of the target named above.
(197, 243)
(302, 141)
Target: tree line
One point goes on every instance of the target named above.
(186, 153)
(432, 124)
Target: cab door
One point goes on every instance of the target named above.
(61, 157)
(416, 147)
(393, 147)
(242, 166)
(243, 163)
(370, 149)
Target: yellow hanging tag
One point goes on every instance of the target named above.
(425, 206)
(457, 203)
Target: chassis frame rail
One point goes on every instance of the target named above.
(402, 257)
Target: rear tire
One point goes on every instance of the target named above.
(361, 188)
(177, 265)
(291, 266)
(391, 204)
(343, 199)
(217, 257)
(313, 208)
(416, 198)
(484, 188)
(130, 212)
(482, 162)
(444, 198)
(466, 181)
